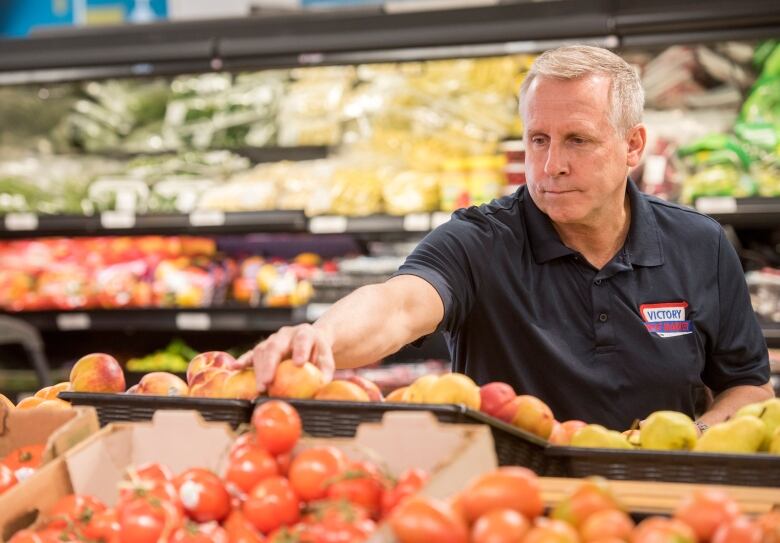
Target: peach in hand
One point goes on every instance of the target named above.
(294, 381)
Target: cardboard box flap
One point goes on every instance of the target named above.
(21, 427)
(452, 454)
(81, 426)
(99, 465)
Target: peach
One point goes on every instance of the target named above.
(397, 395)
(563, 431)
(29, 402)
(97, 372)
(51, 392)
(342, 390)
(494, 395)
(209, 384)
(5, 402)
(132, 390)
(294, 381)
(240, 385)
(215, 359)
(533, 415)
(417, 392)
(508, 410)
(162, 383)
(455, 388)
(55, 403)
(374, 394)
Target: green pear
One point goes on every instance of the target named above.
(774, 444)
(769, 412)
(740, 435)
(595, 435)
(668, 431)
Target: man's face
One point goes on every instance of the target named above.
(576, 162)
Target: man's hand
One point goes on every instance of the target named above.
(304, 343)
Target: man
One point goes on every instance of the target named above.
(605, 303)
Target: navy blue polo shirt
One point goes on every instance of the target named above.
(668, 314)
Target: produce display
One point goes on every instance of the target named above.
(146, 271)
(19, 464)
(268, 491)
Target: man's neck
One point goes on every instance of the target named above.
(600, 241)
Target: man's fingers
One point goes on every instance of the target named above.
(302, 345)
(326, 362)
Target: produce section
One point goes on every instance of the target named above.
(261, 169)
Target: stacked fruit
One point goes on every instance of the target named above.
(505, 506)
(266, 493)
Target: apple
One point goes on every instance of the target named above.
(215, 359)
(494, 395)
(374, 394)
(563, 432)
(97, 372)
(161, 383)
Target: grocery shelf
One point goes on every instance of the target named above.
(741, 212)
(404, 31)
(227, 319)
(25, 225)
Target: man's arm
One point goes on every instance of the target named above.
(361, 328)
(730, 400)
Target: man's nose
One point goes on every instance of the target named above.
(556, 163)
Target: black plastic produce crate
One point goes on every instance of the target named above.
(136, 407)
(668, 466)
(325, 418)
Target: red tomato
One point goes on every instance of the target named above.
(283, 461)
(7, 478)
(500, 526)
(739, 530)
(271, 504)
(240, 530)
(313, 468)
(347, 532)
(150, 489)
(333, 512)
(103, 526)
(409, 483)
(74, 509)
(203, 495)
(147, 521)
(247, 439)
(249, 465)
(277, 426)
(360, 485)
(424, 520)
(210, 532)
(509, 487)
(24, 460)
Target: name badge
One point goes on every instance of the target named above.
(666, 319)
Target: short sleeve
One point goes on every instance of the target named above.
(453, 259)
(739, 355)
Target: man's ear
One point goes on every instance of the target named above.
(637, 139)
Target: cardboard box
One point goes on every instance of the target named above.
(60, 430)
(453, 454)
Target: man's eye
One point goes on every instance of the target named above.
(538, 140)
(578, 141)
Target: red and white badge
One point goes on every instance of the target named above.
(666, 319)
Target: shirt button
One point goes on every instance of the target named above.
(603, 317)
(597, 282)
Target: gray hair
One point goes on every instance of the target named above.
(575, 61)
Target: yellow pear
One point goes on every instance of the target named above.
(418, 390)
(595, 435)
(668, 431)
(774, 444)
(455, 388)
(740, 435)
(769, 412)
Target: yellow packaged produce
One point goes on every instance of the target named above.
(486, 178)
(411, 192)
(454, 185)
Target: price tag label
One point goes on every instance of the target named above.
(334, 224)
(716, 204)
(315, 311)
(117, 219)
(193, 321)
(417, 222)
(21, 221)
(73, 321)
(439, 218)
(207, 217)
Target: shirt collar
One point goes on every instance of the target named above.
(643, 246)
